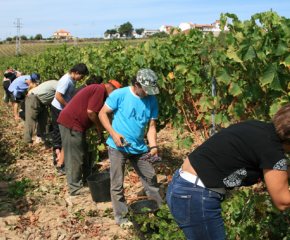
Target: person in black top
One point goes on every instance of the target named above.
(239, 155)
(91, 80)
(9, 77)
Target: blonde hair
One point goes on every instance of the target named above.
(31, 86)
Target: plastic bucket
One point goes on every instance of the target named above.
(100, 184)
(136, 207)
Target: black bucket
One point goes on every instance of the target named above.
(136, 207)
(100, 185)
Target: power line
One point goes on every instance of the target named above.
(93, 30)
(18, 42)
(75, 41)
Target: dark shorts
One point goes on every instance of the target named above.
(18, 100)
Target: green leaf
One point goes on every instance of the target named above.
(276, 79)
(286, 60)
(101, 147)
(248, 52)
(281, 48)
(233, 55)
(223, 74)
(181, 68)
(235, 89)
(205, 104)
(179, 87)
(140, 60)
(187, 143)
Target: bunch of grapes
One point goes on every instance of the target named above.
(151, 158)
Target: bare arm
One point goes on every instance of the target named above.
(28, 81)
(152, 136)
(93, 116)
(105, 120)
(60, 99)
(277, 185)
(288, 172)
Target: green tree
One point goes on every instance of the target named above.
(38, 37)
(14, 38)
(23, 37)
(159, 35)
(9, 39)
(139, 30)
(126, 29)
(31, 38)
(110, 31)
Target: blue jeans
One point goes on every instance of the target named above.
(196, 210)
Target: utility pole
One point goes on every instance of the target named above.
(18, 42)
(75, 41)
(93, 30)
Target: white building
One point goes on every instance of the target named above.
(117, 35)
(216, 24)
(185, 26)
(165, 28)
(148, 32)
(61, 34)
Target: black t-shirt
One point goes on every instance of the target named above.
(237, 155)
(78, 89)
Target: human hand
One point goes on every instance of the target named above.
(154, 151)
(117, 139)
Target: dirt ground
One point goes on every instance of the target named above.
(47, 211)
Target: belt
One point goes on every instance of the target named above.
(36, 97)
(192, 178)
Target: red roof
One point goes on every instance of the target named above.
(185, 31)
(217, 21)
(168, 26)
(190, 24)
(61, 31)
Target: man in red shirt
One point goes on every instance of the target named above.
(74, 120)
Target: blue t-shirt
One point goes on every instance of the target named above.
(131, 116)
(66, 85)
(19, 85)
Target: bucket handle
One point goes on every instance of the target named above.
(137, 198)
(93, 164)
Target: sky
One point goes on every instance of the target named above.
(46, 17)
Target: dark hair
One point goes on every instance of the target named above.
(281, 121)
(94, 80)
(81, 68)
(133, 80)
(112, 86)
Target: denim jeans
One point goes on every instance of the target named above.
(196, 210)
(117, 167)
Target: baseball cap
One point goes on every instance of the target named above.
(35, 77)
(115, 83)
(148, 80)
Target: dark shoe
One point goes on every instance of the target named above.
(81, 191)
(61, 169)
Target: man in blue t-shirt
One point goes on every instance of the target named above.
(134, 108)
(64, 93)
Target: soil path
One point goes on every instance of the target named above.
(47, 211)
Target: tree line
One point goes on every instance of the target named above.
(124, 29)
(23, 37)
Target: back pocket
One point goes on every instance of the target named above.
(180, 208)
